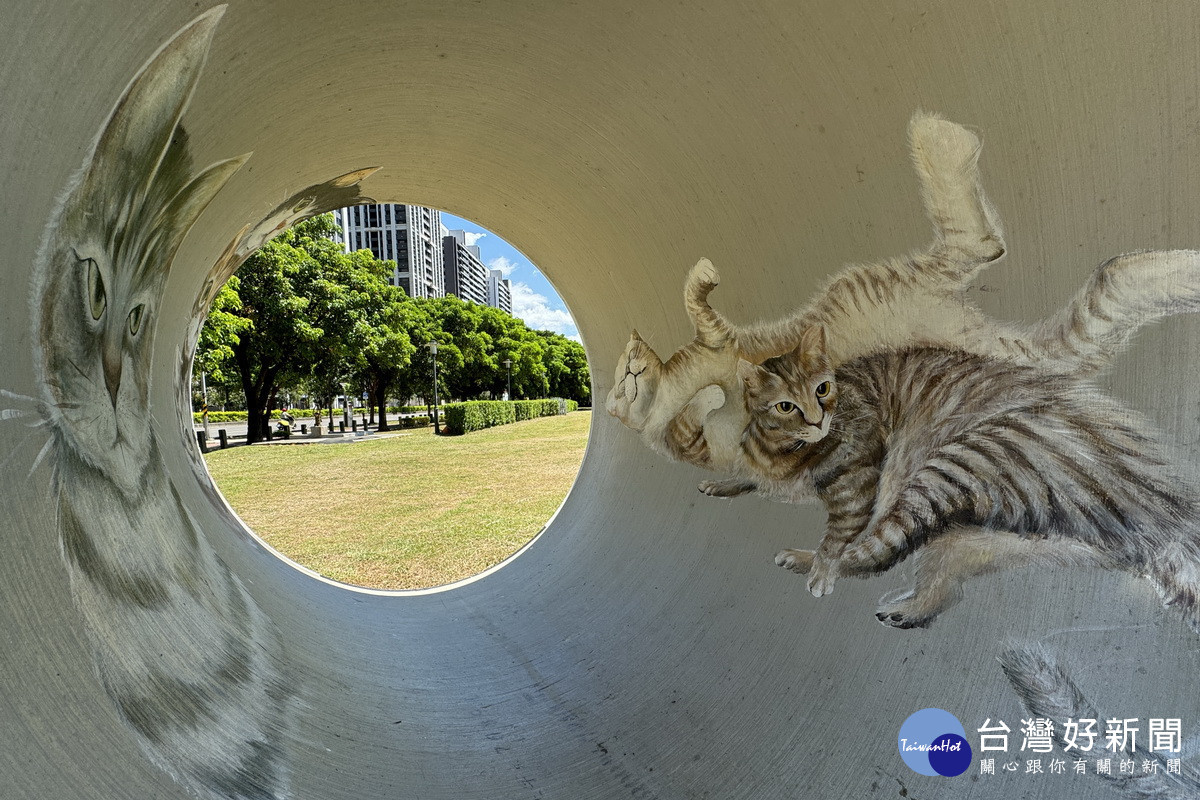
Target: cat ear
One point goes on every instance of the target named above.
(811, 352)
(751, 374)
(183, 210)
(812, 341)
(138, 134)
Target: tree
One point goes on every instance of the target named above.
(396, 327)
(566, 368)
(305, 303)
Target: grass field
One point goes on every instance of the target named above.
(409, 511)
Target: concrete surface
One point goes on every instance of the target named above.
(644, 646)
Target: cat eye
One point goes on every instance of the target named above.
(823, 390)
(784, 407)
(96, 295)
(135, 319)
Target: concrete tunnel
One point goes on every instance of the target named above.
(644, 645)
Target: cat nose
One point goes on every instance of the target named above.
(112, 376)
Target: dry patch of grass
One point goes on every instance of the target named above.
(410, 511)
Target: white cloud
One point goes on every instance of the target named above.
(473, 238)
(536, 311)
(503, 264)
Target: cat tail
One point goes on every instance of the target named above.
(1175, 571)
(1123, 294)
(1046, 690)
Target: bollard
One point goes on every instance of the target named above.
(224, 437)
(203, 440)
(342, 425)
(353, 425)
(304, 429)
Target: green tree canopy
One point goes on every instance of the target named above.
(303, 313)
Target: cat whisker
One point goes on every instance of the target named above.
(20, 398)
(46, 448)
(16, 448)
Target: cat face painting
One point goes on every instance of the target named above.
(794, 404)
(101, 265)
(212, 706)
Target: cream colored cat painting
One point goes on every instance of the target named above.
(679, 406)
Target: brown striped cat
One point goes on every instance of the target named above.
(919, 299)
(971, 462)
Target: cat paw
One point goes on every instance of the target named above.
(904, 612)
(636, 379)
(798, 561)
(703, 277)
(822, 577)
(731, 487)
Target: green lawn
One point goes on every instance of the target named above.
(409, 511)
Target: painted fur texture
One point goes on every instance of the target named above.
(1047, 691)
(919, 299)
(190, 662)
(969, 463)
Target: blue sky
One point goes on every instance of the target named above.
(534, 299)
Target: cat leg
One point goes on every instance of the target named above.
(798, 561)
(639, 370)
(822, 565)
(946, 561)
(730, 487)
(684, 437)
(942, 566)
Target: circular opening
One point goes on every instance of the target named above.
(327, 430)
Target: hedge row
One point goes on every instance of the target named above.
(475, 415)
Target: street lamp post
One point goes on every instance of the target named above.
(204, 403)
(433, 345)
(508, 363)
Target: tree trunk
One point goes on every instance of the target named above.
(381, 398)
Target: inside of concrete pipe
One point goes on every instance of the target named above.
(644, 646)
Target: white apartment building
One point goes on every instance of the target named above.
(499, 291)
(409, 235)
(466, 276)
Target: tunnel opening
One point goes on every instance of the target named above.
(427, 354)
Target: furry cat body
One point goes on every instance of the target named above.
(919, 299)
(191, 663)
(979, 460)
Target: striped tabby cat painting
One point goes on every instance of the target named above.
(969, 463)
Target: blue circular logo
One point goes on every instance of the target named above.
(934, 742)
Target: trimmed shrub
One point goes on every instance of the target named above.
(529, 409)
(475, 415)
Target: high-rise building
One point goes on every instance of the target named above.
(466, 276)
(499, 291)
(409, 235)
